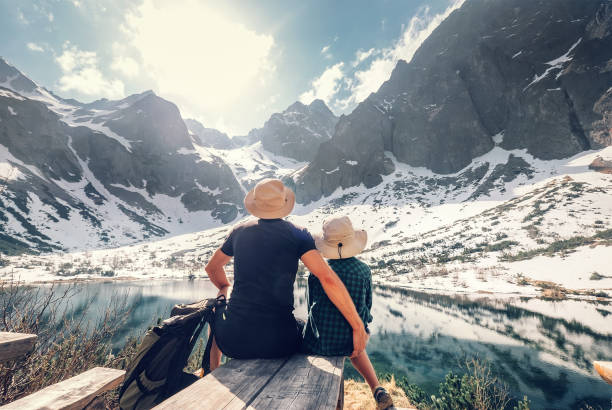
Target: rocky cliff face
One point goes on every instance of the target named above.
(208, 137)
(521, 74)
(105, 172)
(298, 131)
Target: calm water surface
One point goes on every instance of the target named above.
(542, 349)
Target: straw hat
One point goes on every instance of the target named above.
(269, 199)
(339, 240)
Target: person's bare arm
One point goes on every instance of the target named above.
(215, 268)
(339, 296)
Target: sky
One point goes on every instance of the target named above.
(229, 64)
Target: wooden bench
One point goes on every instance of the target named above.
(74, 393)
(605, 370)
(13, 346)
(298, 382)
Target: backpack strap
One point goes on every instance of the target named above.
(221, 302)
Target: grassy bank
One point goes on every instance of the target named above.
(476, 388)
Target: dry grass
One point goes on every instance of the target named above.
(358, 396)
(67, 344)
(553, 294)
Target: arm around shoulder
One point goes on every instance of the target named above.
(339, 296)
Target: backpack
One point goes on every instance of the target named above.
(156, 372)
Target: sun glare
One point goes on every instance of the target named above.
(195, 53)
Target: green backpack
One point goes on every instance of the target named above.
(157, 370)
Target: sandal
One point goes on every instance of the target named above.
(383, 399)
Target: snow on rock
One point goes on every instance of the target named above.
(498, 138)
(556, 64)
(426, 232)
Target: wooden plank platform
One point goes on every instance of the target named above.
(304, 382)
(231, 386)
(74, 393)
(605, 370)
(15, 345)
(299, 382)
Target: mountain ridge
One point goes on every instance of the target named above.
(119, 170)
(528, 73)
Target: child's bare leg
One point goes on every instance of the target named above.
(364, 367)
(215, 355)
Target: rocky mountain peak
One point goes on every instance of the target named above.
(208, 137)
(297, 106)
(533, 74)
(320, 107)
(117, 170)
(298, 131)
(12, 78)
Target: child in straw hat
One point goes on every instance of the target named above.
(327, 332)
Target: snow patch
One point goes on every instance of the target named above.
(498, 138)
(11, 94)
(556, 64)
(99, 128)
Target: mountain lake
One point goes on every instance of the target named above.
(542, 349)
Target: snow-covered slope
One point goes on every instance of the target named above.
(108, 173)
(498, 225)
(252, 163)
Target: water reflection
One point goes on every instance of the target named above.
(542, 349)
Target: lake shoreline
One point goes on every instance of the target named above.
(530, 291)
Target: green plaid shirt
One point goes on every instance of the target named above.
(327, 332)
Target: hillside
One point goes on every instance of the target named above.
(500, 234)
(102, 174)
(519, 74)
(483, 164)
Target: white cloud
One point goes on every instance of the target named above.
(81, 74)
(51, 17)
(123, 62)
(35, 47)
(126, 66)
(197, 56)
(358, 83)
(326, 53)
(370, 79)
(326, 86)
(76, 3)
(22, 18)
(361, 56)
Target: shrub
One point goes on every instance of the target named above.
(66, 345)
(553, 294)
(500, 246)
(477, 389)
(521, 280)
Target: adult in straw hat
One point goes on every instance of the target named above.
(258, 320)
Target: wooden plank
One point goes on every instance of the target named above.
(230, 386)
(74, 393)
(605, 370)
(304, 382)
(15, 345)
